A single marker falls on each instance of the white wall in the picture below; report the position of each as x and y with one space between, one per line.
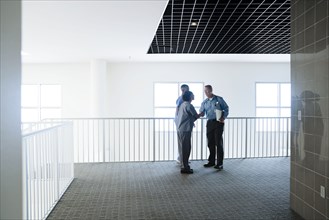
11 185
130 85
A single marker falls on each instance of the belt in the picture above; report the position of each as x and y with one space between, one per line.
212 120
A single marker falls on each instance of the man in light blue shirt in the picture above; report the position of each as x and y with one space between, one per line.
179 100
215 127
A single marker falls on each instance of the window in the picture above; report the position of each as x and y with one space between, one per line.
166 94
273 99
40 102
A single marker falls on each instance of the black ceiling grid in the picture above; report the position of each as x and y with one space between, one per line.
224 27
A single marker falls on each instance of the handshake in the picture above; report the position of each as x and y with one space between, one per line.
219 115
201 114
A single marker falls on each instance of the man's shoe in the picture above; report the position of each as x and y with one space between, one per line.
209 165
219 167
186 171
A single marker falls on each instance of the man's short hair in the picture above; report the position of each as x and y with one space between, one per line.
187 96
184 86
209 87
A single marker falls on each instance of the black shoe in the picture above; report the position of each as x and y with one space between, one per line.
186 171
209 165
219 167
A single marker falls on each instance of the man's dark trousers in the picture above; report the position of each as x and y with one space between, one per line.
215 139
185 141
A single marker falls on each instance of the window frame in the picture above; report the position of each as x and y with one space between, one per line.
278 107
39 107
179 83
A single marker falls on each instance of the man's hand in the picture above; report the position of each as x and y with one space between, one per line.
201 114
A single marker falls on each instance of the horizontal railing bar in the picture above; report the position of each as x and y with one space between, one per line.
149 118
43 130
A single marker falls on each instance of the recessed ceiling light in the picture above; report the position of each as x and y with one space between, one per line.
194 23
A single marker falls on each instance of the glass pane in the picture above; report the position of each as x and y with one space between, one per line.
266 94
285 112
165 94
51 96
51 113
164 112
30 115
197 89
285 95
30 96
267 112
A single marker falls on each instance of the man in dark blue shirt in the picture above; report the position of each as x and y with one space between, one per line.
185 123
215 127
179 101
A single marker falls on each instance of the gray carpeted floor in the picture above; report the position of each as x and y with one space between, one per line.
245 189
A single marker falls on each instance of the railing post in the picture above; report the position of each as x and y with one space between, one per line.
26 177
103 140
153 139
246 143
57 172
287 137
201 139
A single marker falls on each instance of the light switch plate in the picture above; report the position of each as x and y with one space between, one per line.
322 192
299 115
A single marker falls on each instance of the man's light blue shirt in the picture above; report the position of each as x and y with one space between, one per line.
179 101
208 107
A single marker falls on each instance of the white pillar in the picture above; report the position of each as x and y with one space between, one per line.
10 111
98 72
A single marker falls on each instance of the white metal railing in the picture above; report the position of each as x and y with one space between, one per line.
47 167
29 127
155 139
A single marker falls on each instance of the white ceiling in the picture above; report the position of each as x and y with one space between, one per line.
56 31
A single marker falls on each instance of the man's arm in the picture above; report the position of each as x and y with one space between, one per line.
178 103
201 110
193 112
224 108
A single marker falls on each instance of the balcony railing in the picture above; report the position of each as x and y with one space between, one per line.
155 139
47 166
